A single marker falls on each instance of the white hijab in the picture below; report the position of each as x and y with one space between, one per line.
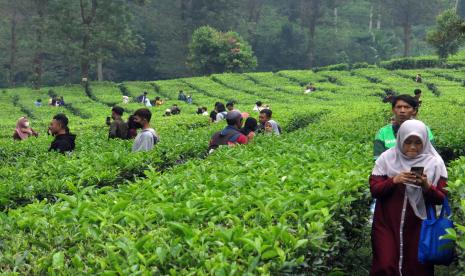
394 161
274 126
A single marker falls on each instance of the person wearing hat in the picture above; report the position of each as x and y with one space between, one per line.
167 112
231 135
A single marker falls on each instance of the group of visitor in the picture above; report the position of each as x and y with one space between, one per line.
202 111
173 110
185 98
144 99
145 140
402 194
409 176
241 127
64 140
53 101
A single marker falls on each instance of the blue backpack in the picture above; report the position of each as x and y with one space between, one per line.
432 249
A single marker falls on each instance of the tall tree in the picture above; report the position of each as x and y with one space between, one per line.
254 8
88 13
13 45
39 26
375 14
186 19
448 35
112 34
461 8
407 13
311 12
105 29
64 42
11 9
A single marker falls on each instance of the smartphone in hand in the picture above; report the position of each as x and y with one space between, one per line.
418 171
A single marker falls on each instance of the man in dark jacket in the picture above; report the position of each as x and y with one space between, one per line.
182 96
142 98
64 141
230 136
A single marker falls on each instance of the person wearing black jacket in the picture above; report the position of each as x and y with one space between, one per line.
64 141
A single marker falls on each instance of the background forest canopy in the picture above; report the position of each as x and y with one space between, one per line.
53 42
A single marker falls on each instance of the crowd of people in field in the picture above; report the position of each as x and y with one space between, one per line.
408 178
241 127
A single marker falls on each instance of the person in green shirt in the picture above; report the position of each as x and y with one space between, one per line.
404 107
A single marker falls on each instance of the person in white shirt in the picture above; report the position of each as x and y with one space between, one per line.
259 106
221 112
147 102
310 88
148 137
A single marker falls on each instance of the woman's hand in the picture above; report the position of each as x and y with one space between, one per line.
404 177
412 178
423 182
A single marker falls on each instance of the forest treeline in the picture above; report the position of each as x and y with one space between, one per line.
50 42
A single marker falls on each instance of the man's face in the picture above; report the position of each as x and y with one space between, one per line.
263 118
417 96
114 116
230 107
403 112
54 127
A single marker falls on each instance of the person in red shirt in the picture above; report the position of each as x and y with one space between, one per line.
231 135
249 129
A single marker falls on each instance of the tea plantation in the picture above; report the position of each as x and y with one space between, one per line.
298 203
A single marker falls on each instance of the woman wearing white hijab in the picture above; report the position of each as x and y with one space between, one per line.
401 197
272 127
